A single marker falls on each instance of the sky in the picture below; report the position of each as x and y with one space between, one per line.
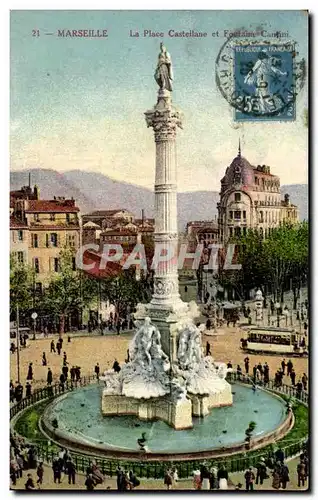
79 103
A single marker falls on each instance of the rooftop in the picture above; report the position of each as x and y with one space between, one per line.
57 206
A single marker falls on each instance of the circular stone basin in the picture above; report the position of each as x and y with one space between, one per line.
80 419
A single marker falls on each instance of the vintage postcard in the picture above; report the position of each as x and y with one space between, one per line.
159 306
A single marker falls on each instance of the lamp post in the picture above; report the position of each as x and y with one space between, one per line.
214 291
286 314
277 307
18 344
34 316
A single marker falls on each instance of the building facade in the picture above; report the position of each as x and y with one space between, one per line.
250 197
40 229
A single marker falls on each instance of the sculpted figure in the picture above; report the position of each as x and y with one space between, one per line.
163 74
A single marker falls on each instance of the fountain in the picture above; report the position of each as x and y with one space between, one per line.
167 377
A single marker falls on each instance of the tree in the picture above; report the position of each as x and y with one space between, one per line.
21 286
68 291
124 290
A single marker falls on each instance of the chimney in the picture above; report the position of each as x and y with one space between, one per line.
142 216
29 179
36 192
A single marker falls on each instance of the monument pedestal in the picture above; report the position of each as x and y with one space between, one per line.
177 414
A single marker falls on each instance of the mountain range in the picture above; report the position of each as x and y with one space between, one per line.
95 191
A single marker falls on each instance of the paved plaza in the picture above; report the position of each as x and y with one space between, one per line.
87 351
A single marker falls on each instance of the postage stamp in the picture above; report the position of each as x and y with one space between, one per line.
261 81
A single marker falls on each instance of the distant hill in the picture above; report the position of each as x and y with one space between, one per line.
93 191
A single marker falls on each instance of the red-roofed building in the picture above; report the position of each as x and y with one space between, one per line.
41 229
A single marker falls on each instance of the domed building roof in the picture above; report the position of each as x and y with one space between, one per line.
239 172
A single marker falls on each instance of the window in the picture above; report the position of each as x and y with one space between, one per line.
38 287
36 217
20 257
36 265
56 264
52 217
237 215
53 239
20 235
244 231
237 196
231 214
67 218
244 214
261 219
34 239
237 231
231 231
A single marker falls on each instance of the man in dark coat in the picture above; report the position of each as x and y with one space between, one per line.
30 372
62 381
208 349
58 347
56 470
247 364
97 370
71 471
52 346
18 392
283 365
293 376
261 471
72 373
65 371
49 377
289 367
28 390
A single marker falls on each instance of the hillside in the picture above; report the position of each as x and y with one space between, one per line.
94 191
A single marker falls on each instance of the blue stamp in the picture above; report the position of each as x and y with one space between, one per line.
263 83
260 80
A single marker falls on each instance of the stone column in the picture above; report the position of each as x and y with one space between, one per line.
164 118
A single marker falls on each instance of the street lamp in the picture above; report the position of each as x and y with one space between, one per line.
214 291
34 315
286 314
277 307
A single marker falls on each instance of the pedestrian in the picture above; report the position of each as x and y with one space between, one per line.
62 381
299 388
13 472
89 483
28 390
208 324
284 476
64 358
239 372
30 372
65 371
247 364
266 373
289 367
168 479
20 464
40 472
304 380
97 370
116 366
72 373
223 477
18 393
49 378
133 479
118 327
208 349
261 471
213 478
77 373
58 347
128 357
229 365
283 365
276 477
301 473
56 470
52 346
71 470
293 377
44 362
249 479
11 392
254 372
29 485
197 483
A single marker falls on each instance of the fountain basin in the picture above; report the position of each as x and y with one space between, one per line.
82 427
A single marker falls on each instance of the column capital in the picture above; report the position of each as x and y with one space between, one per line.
164 118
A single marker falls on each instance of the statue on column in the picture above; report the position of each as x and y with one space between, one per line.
164 74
